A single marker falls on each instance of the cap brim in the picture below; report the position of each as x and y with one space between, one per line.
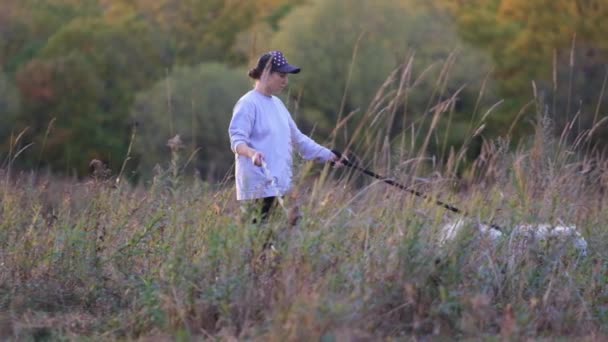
288 69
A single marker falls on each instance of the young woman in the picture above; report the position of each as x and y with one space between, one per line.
263 136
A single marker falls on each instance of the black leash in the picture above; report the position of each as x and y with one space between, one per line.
403 187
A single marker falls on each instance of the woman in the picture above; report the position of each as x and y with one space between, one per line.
263 136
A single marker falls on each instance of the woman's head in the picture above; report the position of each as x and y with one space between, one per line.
271 72
272 61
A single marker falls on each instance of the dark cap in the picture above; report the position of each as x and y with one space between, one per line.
279 63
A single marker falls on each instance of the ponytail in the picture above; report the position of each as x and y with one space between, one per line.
255 73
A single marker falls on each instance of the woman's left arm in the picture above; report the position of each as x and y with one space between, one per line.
307 147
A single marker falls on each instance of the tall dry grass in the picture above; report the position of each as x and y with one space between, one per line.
173 260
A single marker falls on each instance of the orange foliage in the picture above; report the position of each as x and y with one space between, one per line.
35 81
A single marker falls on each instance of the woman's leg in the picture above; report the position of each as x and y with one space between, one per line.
267 203
260 209
263 209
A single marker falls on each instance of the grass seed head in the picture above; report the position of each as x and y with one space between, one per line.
99 170
175 143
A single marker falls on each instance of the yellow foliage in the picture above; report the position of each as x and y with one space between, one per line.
118 10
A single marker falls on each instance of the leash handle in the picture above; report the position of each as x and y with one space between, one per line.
341 159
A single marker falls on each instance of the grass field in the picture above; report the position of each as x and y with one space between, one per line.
174 260
177 259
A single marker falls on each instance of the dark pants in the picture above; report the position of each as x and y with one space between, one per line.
263 208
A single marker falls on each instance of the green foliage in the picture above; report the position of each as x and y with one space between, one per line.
26 25
196 103
324 37
320 37
123 55
9 106
197 30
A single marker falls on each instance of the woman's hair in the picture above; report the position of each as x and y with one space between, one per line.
255 73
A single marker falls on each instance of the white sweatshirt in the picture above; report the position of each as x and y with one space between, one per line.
264 124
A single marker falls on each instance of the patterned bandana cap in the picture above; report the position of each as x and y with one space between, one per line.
279 63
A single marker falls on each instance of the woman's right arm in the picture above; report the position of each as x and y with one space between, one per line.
240 129
255 156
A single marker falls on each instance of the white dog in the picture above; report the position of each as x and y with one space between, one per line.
520 237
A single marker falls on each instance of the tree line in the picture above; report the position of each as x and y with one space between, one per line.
78 78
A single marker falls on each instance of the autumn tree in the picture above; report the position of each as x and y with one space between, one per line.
85 78
559 45
193 31
26 25
61 95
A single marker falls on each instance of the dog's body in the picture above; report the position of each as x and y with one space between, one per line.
519 238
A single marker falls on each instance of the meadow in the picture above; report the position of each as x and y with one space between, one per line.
101 259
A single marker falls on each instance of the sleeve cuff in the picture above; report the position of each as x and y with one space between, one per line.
327 155
236 144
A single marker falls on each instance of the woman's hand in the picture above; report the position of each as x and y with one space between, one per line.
339 160
257 158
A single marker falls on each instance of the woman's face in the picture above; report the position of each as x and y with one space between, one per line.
275 82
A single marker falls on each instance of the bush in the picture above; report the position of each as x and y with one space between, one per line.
322 36
196 103
9 107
